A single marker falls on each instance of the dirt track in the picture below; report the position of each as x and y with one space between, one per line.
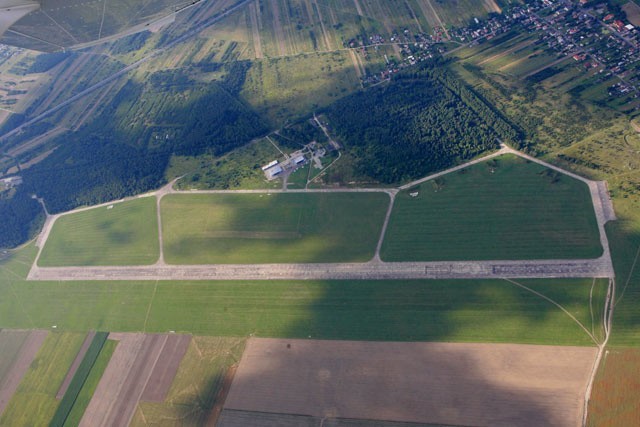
461 384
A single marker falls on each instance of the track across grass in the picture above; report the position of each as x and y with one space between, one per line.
262 228
119 234
509 209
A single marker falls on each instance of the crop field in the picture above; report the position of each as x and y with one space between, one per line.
197 384
414 310
262 228
80 371
18 348
503 209
426 383
10 344
34 402
615 391
119 234
89 386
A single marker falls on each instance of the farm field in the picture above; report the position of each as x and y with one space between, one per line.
261 228
18 348
197 384
124 234
34 402
142 367
446 310
614 399
535 385
89 387
506 208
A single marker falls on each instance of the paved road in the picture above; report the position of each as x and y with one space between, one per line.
374 270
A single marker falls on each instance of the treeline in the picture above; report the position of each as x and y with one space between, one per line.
126 149
130 43
46 61
20 218
422 122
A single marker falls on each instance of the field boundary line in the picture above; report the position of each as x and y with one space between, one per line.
557 305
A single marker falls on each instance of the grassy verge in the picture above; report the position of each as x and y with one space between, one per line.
91 383
124 234
79 378
261 228
503 209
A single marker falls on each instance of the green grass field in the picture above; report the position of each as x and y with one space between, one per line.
34 403
261 228
126 234
512 209
409 310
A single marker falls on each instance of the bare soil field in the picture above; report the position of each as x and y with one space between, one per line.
21 362
139 367
440 383
633 12
166 367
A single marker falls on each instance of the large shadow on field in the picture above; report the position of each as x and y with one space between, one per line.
457 385
437 383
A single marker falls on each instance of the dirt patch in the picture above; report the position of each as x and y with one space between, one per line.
632 10
440 383
165 370
25 357
75 364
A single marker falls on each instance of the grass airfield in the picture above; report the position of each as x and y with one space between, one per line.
271 228
504 209
118 234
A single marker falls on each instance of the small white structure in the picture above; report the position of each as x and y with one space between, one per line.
299 160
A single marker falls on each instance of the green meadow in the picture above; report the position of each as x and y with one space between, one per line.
509 208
